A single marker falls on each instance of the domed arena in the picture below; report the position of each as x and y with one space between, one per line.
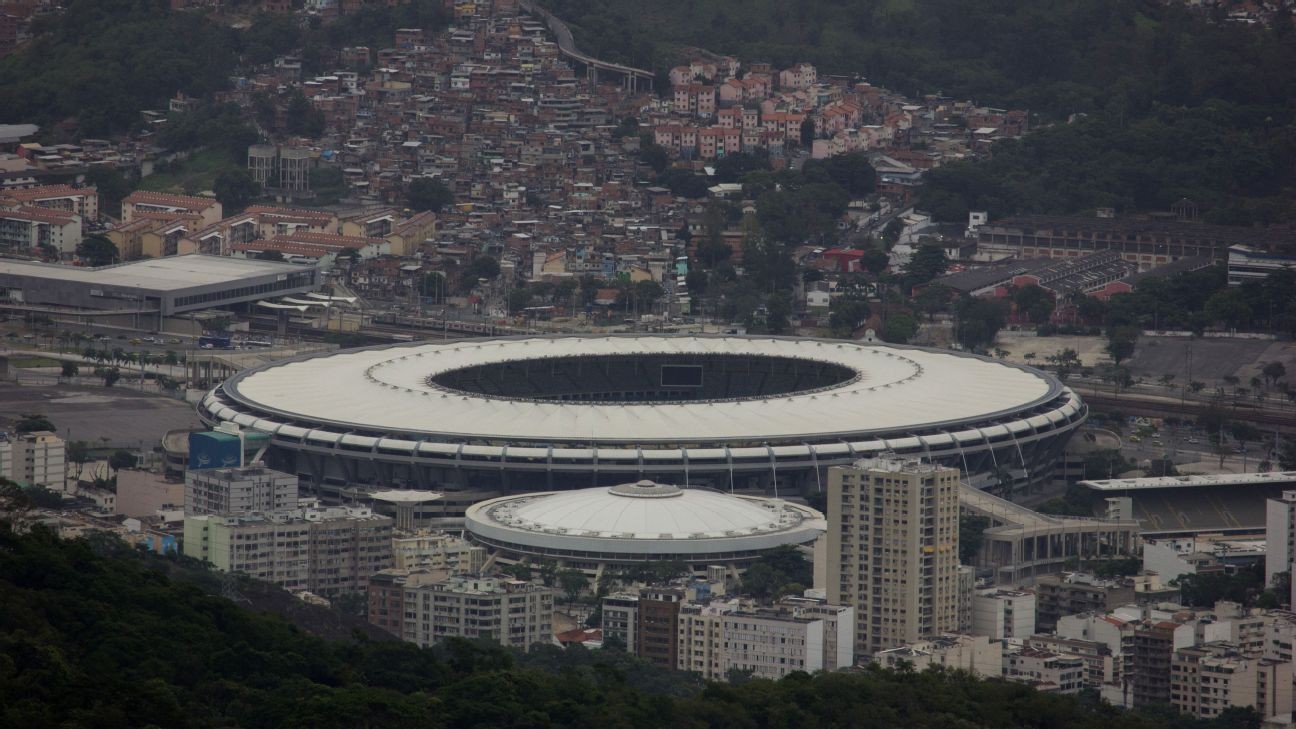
765 415
603 528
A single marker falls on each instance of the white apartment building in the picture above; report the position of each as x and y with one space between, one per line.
1045 670
238 490
513 613
797 634
1209 678
892 550
327 551
37 458
1001 614
974 653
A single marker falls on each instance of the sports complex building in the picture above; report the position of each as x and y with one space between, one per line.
545 413
602 528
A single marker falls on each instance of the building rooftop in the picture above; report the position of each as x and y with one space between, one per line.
155 274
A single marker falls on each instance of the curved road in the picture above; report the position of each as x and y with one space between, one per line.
567 45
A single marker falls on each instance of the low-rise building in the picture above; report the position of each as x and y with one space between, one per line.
796 634
238 490
326 551
514 613
620 615
1045 670
37 458
1002 614
437 553
974 653
1207 679
1075 593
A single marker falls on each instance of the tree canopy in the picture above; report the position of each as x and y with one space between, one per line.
94 632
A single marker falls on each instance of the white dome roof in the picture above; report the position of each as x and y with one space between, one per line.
643 517
649 511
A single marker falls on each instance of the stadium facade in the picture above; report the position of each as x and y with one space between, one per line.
544 413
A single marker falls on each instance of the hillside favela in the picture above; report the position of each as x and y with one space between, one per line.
748 364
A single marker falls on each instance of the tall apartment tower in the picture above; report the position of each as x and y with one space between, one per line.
1280 535
893 549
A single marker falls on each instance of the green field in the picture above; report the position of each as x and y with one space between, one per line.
194 175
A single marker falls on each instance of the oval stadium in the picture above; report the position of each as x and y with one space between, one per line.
487 417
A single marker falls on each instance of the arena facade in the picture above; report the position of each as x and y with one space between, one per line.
542 413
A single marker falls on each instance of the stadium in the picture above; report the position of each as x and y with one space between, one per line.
544 413
603 528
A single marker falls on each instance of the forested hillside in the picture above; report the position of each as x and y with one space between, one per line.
93 634
1179 103
99 62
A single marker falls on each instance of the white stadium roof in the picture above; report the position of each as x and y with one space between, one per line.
642 518
388 390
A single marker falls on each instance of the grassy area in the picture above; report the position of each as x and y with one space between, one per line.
32 362
194 175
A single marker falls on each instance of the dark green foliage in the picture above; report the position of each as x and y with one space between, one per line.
235 189
899 328
93 632
426 193
1075 502
971 536
32 422
927 263
1204 590
978 321
852 172
97 250
777 573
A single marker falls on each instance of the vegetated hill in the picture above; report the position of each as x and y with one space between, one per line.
91 635
1183 105
98 63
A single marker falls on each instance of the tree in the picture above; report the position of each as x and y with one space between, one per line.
1034 302
971 536
927 263
429 193
1121 342
845 316
121 459
69 369
899 328
303 118
1229 307
97 250
875 261
481 267
1273 372
978 321
696 282
269 254
110 375
655 156
235 189
33 422
78 454
572 583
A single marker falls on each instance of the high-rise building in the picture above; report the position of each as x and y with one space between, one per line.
239 490
327 551
511 612
620 615
893 549
1280 535
656 620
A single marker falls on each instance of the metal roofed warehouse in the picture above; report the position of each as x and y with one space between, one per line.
160 286
540 413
